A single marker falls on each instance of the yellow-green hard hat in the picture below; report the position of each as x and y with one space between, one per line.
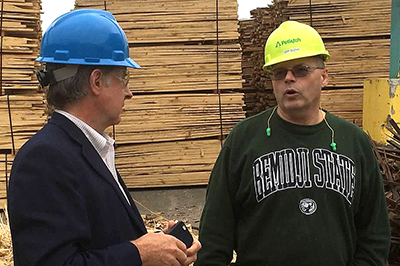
293 40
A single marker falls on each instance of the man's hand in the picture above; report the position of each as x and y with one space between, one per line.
159 249
191 252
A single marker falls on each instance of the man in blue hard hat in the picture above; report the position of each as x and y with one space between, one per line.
67 203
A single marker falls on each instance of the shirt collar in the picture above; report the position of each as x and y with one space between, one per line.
99 141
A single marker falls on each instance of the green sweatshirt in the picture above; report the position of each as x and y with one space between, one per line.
289 199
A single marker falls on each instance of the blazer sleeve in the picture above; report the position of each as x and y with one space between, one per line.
48 217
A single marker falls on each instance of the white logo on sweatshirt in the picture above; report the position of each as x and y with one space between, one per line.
301 169
308 206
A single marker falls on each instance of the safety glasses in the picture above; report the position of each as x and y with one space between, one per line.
298 71
123 77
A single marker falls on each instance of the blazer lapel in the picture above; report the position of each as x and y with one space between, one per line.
135 210
97 163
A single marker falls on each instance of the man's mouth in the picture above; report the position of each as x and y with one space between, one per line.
290 92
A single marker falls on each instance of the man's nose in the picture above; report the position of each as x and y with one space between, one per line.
289 75
128 93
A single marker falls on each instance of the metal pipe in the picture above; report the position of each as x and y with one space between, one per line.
395 40
218 90
1 48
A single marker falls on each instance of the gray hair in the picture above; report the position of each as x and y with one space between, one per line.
320 61
73 88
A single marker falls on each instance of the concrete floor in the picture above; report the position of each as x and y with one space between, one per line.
184 204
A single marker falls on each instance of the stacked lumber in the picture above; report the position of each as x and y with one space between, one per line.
187 89
173 140
6 159
21 31
27 117
353 61
257 85
344 103
342 18
246 29
175 43
161 21
172 117
358 42
167 164
186 68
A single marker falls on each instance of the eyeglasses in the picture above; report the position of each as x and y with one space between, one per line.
125 77
298 71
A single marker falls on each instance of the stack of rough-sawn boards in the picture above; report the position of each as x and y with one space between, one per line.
21 39
356 33
170 133
171 130
21 33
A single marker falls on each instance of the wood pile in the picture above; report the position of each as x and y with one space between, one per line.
171 117
172 129
168 164
6 159
246 29
161 21
27 116
173 139
170 133
21 35
186 68
358 42
389 161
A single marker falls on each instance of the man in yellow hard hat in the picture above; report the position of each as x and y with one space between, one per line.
295 185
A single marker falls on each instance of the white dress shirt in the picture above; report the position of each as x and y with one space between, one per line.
102 143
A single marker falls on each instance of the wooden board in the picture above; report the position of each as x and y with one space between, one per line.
158 118
176 105
166 164
159 21
356 33
27 117
5 170
183 68
21 34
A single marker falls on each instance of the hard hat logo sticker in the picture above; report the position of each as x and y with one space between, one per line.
279 44
291 50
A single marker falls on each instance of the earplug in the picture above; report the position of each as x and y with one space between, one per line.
268 130
333 145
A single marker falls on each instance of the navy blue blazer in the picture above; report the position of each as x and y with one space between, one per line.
64 205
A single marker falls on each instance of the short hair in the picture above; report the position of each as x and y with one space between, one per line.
73 88
320 61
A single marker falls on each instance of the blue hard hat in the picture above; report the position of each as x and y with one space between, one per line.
86 37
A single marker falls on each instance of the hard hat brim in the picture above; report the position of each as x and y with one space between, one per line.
128 62
268 67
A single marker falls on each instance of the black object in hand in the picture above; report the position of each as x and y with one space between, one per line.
180 231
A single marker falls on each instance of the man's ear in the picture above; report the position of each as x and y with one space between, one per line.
324 78
96 81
